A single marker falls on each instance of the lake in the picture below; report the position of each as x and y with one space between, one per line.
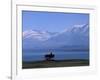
59 55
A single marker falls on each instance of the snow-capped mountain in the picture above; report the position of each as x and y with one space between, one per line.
76 36
38 35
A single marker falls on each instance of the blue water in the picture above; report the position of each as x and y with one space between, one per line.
59 55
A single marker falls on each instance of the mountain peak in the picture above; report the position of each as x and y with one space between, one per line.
75 35
37 34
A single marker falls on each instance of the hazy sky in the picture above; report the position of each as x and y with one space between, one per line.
52 21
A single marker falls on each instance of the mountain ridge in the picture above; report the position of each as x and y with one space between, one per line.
78 35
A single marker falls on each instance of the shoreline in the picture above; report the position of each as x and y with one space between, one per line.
55 63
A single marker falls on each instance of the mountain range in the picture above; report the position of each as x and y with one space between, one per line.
75 37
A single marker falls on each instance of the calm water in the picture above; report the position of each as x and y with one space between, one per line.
61 55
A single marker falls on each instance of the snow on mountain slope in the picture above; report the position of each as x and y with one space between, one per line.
36 34
73 36
35 38
78 35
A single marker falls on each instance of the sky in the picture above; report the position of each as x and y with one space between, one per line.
52 21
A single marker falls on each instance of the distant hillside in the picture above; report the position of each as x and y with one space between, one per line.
76 37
